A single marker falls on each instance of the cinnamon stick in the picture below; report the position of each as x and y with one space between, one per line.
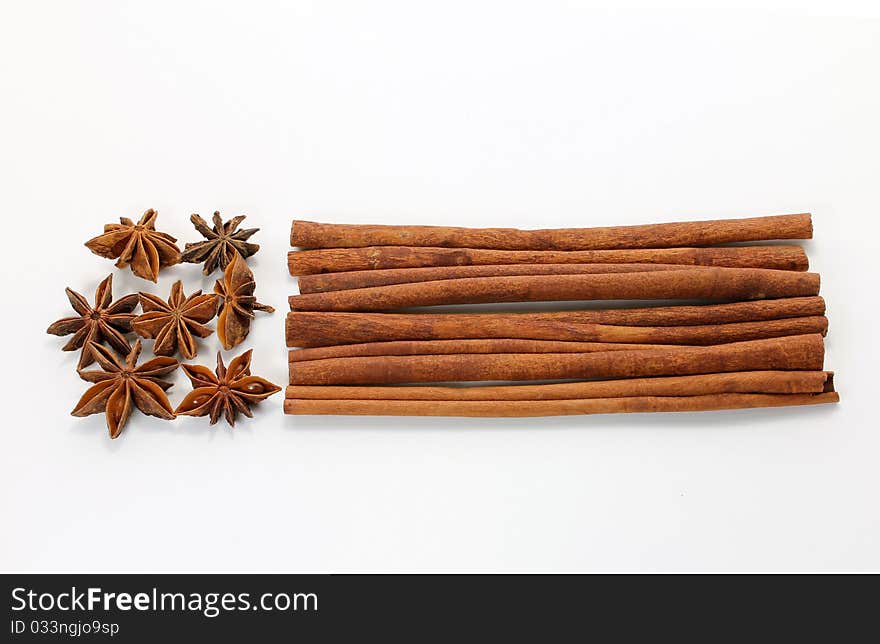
802 352
530 408
585 338
324 282
307 234
603 335
441 347
317 329
710 283
331 260
740 382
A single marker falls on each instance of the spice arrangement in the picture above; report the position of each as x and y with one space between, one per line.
101 332
357 332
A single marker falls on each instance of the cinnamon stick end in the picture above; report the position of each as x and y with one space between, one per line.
297 233
829 383
809 224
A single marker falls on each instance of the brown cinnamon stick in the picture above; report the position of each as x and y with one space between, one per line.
441 347
324 282
329 260
529 408
741 382
306 234
602 335
803 352
585 338
316 329
709 283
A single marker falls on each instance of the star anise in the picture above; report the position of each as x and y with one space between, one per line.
237 310
139 245
174 323
105 322
227 391
122 384
223 242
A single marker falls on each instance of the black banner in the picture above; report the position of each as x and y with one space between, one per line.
150 608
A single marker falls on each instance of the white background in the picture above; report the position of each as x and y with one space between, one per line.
475 113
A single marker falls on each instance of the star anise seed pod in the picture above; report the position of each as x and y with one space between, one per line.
226 392
223 242
237 309
121 384
106 322
138 245
174 323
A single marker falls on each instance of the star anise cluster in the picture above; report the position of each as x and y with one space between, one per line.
100 330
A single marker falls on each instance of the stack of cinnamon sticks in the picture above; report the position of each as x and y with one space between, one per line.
363 346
